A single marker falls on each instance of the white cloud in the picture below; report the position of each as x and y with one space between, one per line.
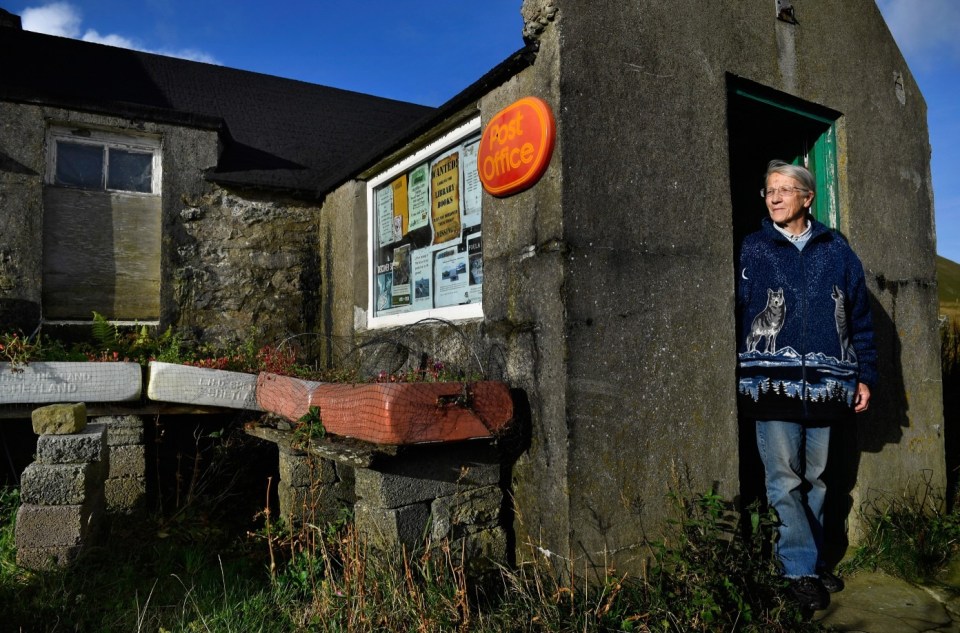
64 20
925 30
59 18
109 40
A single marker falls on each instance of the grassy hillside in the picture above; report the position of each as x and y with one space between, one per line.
948 284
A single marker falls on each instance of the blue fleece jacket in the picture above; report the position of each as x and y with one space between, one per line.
805 330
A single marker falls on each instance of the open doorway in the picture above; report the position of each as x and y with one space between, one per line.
764 124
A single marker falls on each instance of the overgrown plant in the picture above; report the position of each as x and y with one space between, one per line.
950 376
9 503
309 428
703 576
18 350
911 537
706 575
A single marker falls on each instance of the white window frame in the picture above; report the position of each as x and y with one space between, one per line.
450 313
104 139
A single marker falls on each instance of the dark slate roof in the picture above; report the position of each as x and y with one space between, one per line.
277 133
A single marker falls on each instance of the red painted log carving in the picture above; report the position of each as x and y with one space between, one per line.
393 413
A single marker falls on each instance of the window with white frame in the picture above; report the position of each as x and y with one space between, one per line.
103 161
425 243
102 225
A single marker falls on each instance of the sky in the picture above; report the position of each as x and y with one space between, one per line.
378 47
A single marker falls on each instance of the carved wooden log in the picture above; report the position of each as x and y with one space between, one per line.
393 413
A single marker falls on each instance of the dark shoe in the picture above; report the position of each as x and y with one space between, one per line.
831 582
809 593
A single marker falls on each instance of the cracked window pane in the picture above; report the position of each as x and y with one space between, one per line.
130 171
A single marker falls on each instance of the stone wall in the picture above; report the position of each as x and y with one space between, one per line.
232 262
61 492
400 497
435 493
22 166
244 263
312 488
125 485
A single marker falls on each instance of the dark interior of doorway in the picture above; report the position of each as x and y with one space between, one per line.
762 125
758 133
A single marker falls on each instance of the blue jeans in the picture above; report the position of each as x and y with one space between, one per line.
794 457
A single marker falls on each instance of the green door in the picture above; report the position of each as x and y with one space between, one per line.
763 125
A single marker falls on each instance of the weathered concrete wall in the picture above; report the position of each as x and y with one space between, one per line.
523 299
888 216
231 261
609 285
648 277
649 282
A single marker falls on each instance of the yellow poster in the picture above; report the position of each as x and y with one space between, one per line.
401 215
445 198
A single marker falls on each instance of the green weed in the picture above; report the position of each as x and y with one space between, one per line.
309 428
911 537
705 575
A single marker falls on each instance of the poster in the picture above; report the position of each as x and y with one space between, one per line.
475 266
400 219
385 215
418 196
445 198
384 287
422 282
451 278
400 293
472 187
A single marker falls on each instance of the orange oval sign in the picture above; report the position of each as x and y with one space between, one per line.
516 146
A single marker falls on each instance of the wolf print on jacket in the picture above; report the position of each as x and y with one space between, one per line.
802 363
847 353
768 323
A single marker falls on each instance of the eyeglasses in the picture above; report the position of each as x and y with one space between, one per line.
786 192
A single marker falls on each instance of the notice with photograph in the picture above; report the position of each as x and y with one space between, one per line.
400 218
451 281
422 279
385 215
418 196
384 287
445 198
472 187
400 294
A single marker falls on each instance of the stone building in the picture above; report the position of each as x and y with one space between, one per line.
603 291
159 190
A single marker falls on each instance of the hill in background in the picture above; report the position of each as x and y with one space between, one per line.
948 287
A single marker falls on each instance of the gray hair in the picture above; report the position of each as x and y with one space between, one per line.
801 174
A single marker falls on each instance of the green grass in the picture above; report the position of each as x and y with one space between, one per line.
916 536
948 280
948 288
912 536
139 582
706 575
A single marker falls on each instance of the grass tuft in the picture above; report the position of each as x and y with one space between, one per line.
706 575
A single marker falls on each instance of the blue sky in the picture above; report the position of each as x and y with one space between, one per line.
381 47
